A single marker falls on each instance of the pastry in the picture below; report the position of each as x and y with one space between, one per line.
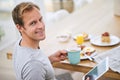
85 35
105 37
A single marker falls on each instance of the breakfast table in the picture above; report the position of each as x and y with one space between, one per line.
94 18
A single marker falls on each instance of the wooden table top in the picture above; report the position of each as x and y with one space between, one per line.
95 18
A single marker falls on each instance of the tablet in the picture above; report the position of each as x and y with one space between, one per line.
97 71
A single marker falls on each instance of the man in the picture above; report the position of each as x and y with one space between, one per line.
29 61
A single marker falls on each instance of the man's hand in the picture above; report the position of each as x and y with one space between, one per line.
58 56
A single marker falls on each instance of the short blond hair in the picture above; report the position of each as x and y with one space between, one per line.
18 11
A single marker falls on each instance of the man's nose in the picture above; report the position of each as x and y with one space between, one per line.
41 24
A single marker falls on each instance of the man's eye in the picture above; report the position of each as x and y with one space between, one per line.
41 19
33 23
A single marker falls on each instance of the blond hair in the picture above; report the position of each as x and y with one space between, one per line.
18 11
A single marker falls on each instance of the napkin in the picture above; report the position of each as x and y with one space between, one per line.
114 58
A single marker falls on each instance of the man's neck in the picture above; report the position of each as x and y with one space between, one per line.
30 43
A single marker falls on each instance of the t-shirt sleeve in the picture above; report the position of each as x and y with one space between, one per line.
33 70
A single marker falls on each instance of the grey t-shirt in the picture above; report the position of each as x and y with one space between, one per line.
31 64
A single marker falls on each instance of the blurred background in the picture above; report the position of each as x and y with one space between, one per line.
52 11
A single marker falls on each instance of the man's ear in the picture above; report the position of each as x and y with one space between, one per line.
19 27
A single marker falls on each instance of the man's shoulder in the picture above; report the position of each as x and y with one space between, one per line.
33 65
33 69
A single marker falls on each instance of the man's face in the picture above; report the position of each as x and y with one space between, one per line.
34 28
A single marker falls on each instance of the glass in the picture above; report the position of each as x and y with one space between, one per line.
79 40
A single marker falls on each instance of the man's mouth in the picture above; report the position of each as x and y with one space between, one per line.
39 32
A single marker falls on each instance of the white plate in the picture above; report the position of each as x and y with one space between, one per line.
87 49
85 57
89 36
97 41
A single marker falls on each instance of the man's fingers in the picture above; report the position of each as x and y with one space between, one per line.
63 57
